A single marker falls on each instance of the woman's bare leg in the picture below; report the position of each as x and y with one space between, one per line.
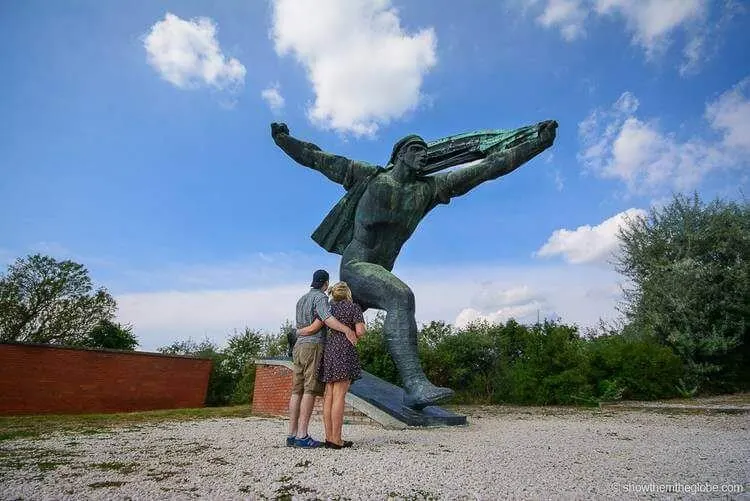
327 404
337 410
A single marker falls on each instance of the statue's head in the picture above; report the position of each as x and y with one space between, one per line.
411 151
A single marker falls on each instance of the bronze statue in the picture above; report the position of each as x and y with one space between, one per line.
383 206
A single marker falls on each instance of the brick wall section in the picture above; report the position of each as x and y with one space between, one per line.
273 387
41 379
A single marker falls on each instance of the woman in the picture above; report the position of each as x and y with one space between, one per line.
340 364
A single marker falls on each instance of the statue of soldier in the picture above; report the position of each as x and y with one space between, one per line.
380 210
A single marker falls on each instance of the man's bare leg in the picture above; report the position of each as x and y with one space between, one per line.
294 402
305 411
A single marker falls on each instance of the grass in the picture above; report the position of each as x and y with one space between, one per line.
44 459
13 427
117 466
110 483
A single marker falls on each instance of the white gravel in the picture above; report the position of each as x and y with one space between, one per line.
502 453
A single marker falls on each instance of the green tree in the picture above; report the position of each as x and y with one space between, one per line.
240 354
108 334
43 300
689 265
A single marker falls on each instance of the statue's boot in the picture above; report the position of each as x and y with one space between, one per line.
420 394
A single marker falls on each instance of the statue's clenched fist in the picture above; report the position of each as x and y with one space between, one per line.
278 128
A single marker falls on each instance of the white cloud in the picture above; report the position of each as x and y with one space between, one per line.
730 114
580 294
365 70
274 99
569 15
521 313
159 318
588 244
651 23
619 145
694 53
187 54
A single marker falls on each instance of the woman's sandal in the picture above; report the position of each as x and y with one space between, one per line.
331 445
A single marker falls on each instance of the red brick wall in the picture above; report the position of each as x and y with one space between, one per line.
273 387
40 379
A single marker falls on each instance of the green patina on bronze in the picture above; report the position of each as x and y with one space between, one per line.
383 206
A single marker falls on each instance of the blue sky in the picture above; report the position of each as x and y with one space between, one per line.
135 140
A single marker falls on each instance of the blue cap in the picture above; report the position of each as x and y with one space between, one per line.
319 278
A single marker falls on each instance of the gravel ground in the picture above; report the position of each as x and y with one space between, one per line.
503 453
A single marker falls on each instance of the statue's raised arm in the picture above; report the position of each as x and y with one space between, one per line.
338 169
521 146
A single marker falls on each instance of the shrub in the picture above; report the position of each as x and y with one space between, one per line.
373 353
639 368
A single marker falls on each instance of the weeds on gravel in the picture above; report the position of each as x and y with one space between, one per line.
415 495
108 483
44 459
158 476
287 491
117 466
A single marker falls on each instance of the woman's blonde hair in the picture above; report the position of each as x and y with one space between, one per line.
340 291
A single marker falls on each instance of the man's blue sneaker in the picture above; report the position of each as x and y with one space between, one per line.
307 443
290 441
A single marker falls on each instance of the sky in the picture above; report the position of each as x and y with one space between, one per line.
135 140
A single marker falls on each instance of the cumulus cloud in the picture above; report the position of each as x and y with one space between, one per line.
730 114
272 96
568 15
214 300
652 21
520 313
162 317
497 302
187 54
588 244
365 70
652 24
619 145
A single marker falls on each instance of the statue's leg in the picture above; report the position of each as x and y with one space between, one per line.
374 286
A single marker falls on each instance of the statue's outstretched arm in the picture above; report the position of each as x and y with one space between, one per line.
461 181
336 168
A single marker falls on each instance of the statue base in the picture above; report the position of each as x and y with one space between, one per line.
389 398
370 399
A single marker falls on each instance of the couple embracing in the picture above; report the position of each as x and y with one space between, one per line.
320 359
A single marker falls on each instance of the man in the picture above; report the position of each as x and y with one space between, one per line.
380 211
306 356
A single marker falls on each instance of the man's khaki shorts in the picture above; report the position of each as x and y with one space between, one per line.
307 358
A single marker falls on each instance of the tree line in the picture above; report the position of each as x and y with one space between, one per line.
43 300
686 318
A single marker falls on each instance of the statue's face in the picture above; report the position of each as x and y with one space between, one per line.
414 156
